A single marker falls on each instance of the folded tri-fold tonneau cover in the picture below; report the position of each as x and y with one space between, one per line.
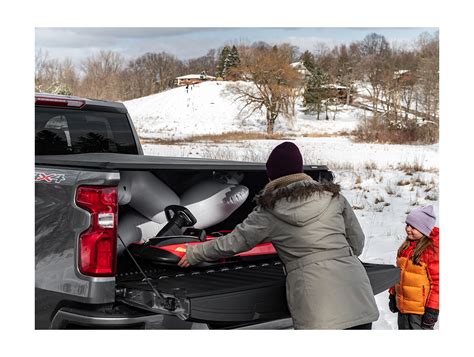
144 162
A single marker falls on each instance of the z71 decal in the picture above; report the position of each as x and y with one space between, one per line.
49 177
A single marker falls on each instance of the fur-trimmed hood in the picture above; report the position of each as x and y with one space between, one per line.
300 201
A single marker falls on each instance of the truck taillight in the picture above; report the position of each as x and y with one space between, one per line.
59 102
98 244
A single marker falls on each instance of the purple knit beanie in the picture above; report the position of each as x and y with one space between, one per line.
285 159
422 219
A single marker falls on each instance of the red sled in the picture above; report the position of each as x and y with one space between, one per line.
169 246
169 250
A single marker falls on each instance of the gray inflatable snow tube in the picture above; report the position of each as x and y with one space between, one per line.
134 228
146 193
212 202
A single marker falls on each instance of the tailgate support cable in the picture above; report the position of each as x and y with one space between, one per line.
169 303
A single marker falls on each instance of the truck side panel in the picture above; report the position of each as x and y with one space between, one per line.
58 224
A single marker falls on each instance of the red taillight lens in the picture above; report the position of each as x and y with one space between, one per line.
59 102
98 244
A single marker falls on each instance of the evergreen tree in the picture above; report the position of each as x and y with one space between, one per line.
308 61
232 61
221 64
315 92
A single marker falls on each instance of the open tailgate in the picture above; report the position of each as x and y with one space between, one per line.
237 293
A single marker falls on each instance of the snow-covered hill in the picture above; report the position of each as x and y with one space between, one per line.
208 108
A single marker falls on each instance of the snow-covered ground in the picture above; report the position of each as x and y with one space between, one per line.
181 112
334 152
382 182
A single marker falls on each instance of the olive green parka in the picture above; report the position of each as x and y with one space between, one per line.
318 238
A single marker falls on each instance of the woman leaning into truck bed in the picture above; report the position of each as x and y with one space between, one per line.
317 236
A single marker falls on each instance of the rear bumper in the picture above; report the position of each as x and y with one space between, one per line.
77 319
68 318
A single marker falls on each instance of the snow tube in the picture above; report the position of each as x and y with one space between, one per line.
134 227
211 202
146 193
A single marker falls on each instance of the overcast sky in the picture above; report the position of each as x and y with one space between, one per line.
78 43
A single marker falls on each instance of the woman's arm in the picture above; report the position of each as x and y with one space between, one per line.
354 234
252 231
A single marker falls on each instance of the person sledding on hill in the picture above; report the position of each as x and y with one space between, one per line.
416 296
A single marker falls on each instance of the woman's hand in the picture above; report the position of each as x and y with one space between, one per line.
183 263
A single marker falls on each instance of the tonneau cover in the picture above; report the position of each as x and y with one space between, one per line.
112 161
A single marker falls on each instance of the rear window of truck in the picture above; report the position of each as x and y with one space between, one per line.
68 131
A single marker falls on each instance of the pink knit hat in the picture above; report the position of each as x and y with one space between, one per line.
423 219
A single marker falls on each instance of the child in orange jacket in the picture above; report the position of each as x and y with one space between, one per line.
416 296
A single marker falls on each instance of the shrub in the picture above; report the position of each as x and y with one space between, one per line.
432 196
370 165
403 182
390 189
387 128
379 199
216 138
410 168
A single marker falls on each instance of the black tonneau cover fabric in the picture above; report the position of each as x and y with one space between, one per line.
139 162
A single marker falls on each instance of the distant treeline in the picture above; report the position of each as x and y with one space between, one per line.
398 81
106 75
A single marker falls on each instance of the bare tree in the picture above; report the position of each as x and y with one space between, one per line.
51 76
207 63
404 81
275 84
347 58
136 80
429 75
46 72
41 59
375 52
164 69
102 76
68 76
291 52
151 73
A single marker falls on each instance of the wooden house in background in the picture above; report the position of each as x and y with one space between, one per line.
193 79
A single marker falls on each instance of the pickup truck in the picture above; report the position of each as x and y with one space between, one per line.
82 147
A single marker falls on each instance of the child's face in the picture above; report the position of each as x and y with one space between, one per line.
413 233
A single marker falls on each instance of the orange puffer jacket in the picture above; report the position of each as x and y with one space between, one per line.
419 284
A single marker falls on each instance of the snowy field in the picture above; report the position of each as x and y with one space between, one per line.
382 182
336 152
